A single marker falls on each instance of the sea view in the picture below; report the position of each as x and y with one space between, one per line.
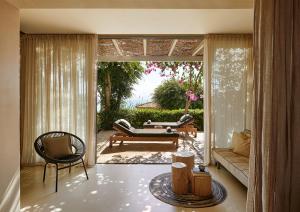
144 89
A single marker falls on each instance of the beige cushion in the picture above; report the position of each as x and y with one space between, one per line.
241 144
236 164
246 133
58 147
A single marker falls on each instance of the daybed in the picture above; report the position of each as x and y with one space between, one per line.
235 159
236 164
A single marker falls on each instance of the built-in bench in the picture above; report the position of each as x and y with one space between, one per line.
236 164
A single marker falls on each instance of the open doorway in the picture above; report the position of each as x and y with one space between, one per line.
142 79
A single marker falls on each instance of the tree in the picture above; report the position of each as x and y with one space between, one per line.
169 95
115 82
188 74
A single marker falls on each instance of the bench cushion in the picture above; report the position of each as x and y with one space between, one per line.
236 164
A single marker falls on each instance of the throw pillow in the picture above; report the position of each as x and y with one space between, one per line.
125 123
241 144
185 117
57 147
246 133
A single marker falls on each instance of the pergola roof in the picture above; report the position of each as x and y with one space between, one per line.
150 48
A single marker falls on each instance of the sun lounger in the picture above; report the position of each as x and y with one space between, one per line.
125 132
184 124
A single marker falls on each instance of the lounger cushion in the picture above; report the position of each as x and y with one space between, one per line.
154 133
144 132
161 124
188 119
124 123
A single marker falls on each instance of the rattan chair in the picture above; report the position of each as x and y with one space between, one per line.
78 148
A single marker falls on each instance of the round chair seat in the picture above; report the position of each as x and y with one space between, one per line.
69 159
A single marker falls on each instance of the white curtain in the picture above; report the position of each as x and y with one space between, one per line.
58 90
228 88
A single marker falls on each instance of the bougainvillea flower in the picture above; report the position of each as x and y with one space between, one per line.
191 96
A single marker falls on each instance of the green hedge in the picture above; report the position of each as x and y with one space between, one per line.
138 116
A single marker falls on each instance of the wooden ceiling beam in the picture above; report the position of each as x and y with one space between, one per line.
115 42
145 46
172 47
199 48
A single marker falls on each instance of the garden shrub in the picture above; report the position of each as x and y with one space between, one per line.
170 95
137 117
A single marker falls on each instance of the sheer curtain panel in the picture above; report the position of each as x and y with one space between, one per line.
228 88
58 89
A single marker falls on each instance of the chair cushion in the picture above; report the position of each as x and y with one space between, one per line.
241 144
57 147
124 123
70 158
185 117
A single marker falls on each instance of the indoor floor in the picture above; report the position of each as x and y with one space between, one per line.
113 188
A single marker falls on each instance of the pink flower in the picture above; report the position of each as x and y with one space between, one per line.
191 96
149 70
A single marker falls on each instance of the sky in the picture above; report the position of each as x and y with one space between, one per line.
144 89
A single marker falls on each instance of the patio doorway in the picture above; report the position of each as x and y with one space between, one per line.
148 78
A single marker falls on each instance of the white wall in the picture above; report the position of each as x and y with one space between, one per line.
135 4
9 107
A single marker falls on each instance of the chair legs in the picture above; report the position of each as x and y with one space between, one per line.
57 169
44 176
56 177
45 168
87 177
218 165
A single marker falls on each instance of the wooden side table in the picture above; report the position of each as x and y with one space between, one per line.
179 178
187 158
201 183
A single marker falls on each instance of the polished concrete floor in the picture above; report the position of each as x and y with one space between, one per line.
113 188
